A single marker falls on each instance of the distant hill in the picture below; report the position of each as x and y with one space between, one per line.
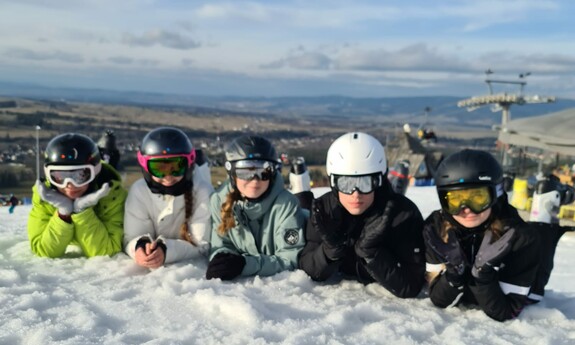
401 110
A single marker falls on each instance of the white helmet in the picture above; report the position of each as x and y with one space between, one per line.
356 153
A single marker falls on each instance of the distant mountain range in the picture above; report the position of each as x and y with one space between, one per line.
444 109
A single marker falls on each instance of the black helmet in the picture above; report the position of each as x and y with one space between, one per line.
71 149
251 148
167 141
468 168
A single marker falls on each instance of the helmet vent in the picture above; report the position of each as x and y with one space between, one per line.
369 154
355 135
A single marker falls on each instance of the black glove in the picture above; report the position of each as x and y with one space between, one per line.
373 233
143 241
490 255
449 253
333 239
225 266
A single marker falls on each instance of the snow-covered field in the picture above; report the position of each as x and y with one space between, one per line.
107 300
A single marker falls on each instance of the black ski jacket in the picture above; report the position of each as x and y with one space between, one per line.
505 296
549 236
399 264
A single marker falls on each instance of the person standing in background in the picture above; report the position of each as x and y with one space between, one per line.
108 149
13 203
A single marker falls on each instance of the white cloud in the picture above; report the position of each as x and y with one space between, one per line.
294 40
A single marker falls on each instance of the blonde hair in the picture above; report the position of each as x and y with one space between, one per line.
184 228
227 214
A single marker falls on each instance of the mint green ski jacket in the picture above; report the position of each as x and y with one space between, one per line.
268 232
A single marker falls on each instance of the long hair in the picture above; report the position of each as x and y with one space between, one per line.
227 214
496 227
184 228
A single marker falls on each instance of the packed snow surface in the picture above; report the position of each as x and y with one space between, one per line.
110 300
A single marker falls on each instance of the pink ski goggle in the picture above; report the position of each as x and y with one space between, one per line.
163 165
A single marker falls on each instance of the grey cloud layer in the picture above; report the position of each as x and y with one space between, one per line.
419 58
162 38
412 57
124 60
28 54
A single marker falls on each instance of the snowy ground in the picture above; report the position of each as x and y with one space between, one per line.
111 301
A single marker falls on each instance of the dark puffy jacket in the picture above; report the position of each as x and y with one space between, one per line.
503 297
399 264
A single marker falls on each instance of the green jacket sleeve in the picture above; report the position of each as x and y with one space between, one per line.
49 235
100 229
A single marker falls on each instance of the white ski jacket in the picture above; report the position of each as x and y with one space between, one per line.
158 216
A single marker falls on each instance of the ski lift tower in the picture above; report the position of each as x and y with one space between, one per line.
503 102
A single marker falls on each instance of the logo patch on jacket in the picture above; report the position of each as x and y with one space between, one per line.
291 236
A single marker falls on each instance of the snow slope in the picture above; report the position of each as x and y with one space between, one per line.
107 300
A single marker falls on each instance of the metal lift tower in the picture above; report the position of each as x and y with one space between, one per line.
503 101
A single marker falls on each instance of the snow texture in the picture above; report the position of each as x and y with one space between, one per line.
110 300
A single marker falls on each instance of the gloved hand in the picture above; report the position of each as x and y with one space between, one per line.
373 233
64 205
225 266
334 240
490 255
449 253
91 199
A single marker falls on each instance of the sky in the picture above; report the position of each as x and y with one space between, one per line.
110 300
357 48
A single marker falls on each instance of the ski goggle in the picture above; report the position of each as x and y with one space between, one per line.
78 175
248 170
364 184
476 199
162 166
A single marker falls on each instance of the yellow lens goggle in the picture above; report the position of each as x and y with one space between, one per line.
476 199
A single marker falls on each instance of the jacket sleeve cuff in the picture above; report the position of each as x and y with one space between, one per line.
252 266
